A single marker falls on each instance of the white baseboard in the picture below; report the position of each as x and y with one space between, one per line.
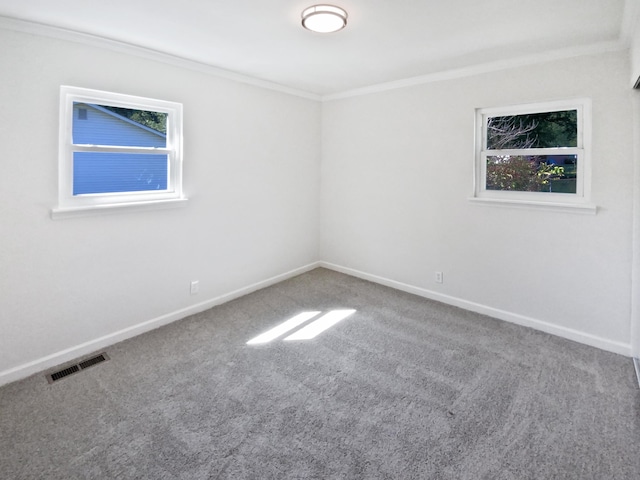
72 353
75 352
636 364
575 335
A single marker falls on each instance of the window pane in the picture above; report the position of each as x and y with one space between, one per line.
535 130
528 173
97 172
104 125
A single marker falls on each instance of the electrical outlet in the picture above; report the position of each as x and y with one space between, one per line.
195 287
439 277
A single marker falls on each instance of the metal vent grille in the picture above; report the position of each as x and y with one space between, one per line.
63 373
92 361
70 370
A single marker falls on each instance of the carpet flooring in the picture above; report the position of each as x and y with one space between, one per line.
404 388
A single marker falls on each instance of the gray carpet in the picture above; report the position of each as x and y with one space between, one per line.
405 388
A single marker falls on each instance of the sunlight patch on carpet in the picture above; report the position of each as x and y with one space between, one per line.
307 332
283 328
318 326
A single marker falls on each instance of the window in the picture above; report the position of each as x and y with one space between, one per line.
534 154
117 151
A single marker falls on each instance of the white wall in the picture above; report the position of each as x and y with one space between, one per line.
395 177
251 171
635 47
634 54
397 173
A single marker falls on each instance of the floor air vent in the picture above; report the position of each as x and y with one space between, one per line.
70 370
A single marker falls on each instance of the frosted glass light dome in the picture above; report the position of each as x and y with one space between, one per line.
324 18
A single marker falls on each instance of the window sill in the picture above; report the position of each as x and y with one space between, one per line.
580 208
85 211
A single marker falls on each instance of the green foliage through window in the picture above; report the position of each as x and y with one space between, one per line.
154 120
529 173
534 130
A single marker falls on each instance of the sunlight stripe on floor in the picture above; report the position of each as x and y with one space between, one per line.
320 325
283 328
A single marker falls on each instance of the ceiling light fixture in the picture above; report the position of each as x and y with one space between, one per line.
324 18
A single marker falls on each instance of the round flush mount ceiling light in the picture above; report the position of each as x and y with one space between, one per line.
324 18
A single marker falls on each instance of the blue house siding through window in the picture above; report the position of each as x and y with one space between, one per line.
107 172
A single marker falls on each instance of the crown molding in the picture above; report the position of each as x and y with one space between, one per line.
40 29
560 54
630 17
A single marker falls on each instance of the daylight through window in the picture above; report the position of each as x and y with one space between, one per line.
535 153
118 150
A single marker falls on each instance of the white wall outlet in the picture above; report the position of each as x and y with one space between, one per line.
439 277
195 287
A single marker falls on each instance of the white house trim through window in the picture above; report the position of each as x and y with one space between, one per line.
535 155
117 150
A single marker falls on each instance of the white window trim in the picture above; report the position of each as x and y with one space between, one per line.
88 204
578 202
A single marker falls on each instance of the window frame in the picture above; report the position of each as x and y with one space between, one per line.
87 204
567 201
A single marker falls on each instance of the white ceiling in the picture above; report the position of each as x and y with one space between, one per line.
384 41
